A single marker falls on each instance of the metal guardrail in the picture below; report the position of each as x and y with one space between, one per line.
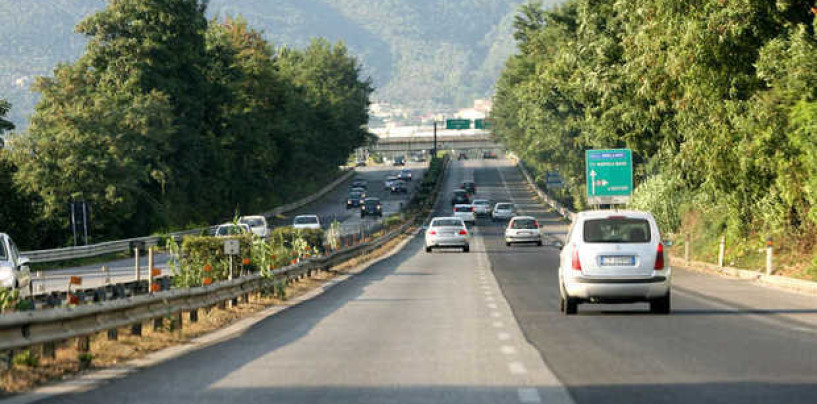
23 329
110 247
565 212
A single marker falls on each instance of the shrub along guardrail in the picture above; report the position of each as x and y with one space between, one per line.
25 329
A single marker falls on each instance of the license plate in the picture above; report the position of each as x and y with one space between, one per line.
447 233
618 260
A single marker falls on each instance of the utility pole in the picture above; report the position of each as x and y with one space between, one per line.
434 149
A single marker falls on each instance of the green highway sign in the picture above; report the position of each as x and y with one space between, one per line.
481 124
609 176
458 124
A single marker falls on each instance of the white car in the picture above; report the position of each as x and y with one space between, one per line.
258 225
307 222
482 207
232 229
614 257
503 211
466 213
14 271
389 181
447 232
523 229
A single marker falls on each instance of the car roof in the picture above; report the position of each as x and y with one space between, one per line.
481 200
315 216
446 218
605 213
253 217
523 218
462 205
371 198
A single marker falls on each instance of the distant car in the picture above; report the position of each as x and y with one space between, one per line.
361 191
482 207
371 207
466 213
459 196
462 156
400 161
360 183
404 175
523 229
503 211
489 155
447 232
614 257
354 199
469 186
360 163
418 158
232 229
307 222
14 271
258 225
398 186
389 180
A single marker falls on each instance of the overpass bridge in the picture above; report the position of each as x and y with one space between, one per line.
413 140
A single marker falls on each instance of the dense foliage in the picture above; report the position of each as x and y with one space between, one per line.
168 119
717 100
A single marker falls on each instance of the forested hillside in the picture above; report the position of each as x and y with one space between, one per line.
418 52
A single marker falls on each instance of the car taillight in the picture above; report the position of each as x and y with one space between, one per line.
463 233
472 209
535 223
576 264
433 232
659 258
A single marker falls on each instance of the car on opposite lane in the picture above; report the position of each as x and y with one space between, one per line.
389 180
360 183
447 232
503 211
360 190
405 174
371 207
258 225
398 186
466 213
14 271
470 187
523 229
614 257
312 222
354 199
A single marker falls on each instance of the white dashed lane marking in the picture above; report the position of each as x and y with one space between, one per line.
508 350
503 336
529 395
517 368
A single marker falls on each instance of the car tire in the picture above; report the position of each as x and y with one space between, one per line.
662 305
571 306
428 249
561 304
466 249
539 243
507 244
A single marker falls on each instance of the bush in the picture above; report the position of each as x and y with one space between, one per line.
8 298
659 196
287 236
199 252
26 358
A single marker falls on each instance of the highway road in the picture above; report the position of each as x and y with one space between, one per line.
331 207
484 327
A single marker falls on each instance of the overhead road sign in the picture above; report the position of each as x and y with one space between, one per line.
609 176
482 124
458 124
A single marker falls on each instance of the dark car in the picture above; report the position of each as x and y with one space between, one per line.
354 199
470 187
462 156
405 174
489 155
400 161
398 186
371 207
362 191
460 197
360 183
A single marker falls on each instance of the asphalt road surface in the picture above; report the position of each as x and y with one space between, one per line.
484 327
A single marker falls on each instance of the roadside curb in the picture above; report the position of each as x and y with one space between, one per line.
775 281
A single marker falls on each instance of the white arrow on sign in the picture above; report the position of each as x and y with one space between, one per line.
593 181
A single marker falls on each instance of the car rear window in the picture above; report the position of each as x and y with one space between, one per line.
459 192
3 255
504 206
481 202
253 222
446 222
524 224
306 220
462 209
617 230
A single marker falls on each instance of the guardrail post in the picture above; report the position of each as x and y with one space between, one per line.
176 323
113 334
48 350
136 329
137 275
158 323
194 315
686 246
721 250
150 270
769 256
83 344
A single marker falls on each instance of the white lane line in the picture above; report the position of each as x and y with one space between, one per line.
503 336
528 395
489 299
491 305
517 368
498 324
495 314
507 350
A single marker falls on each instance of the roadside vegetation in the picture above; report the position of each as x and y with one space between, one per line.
176 119
717 100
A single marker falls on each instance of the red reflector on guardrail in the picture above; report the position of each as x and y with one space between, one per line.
76 280
156 272
246 261
208 268
155 287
